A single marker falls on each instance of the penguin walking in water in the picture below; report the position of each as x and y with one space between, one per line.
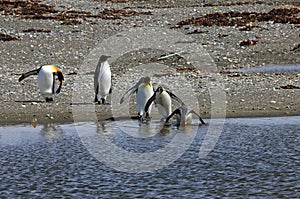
184 116
163 100
46 80
102 80
144 91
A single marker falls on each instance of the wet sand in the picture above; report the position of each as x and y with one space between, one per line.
66 33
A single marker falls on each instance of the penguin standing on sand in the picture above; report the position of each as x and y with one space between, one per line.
46 80
102 80
163 100
184 116
144 91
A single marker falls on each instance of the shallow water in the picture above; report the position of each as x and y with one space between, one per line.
257 157
270 68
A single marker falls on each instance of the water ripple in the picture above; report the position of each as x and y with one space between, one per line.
253 158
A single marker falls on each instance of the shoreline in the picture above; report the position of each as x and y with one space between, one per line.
47 118
60 121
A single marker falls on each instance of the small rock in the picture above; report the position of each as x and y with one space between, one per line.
132 24
273 102
34 122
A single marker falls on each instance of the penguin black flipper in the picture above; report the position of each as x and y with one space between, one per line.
96 76
61 79
110 89
33 72
176 98
176 111
96 93
149 102
201 120
53 83
128 93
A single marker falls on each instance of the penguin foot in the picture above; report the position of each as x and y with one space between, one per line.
147 118
49 99
102 101
140 118
167 124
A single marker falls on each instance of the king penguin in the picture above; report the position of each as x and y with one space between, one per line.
163 100
46 80
184 116
144 91
102 80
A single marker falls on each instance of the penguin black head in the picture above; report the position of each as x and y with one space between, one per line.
147 80
103 58
60 76
184 114
159 89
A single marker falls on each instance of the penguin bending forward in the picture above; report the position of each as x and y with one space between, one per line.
163 100
46 80
144 91
102 80
184 116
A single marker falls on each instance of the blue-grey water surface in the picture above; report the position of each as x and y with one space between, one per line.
270 68
256 157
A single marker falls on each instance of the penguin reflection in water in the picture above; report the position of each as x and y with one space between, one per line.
144 91
46 80
184 116
102 80
163 100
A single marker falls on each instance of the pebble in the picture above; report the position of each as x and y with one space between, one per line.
242 58
50 117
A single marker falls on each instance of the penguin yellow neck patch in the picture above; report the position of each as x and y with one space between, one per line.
146 85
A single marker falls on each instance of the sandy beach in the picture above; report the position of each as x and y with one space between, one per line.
242 35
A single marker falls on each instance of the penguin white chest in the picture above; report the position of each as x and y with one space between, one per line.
164 104
143 94
45 80
104 81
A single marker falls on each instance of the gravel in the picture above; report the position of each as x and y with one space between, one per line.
39 42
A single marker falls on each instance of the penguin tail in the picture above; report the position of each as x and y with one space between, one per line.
25 75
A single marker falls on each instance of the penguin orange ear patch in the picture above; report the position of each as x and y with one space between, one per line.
54 68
